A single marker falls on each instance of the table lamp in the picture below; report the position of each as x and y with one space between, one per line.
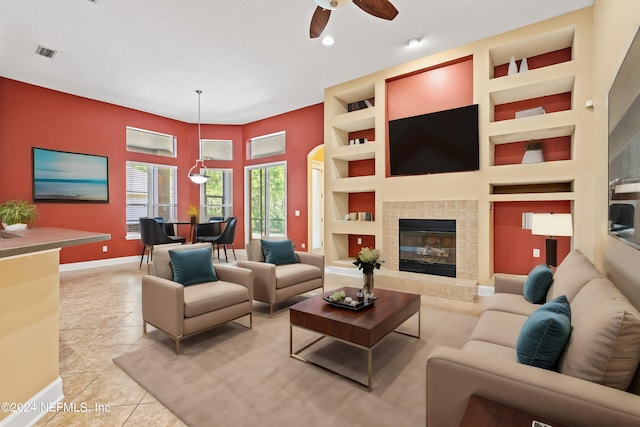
552 224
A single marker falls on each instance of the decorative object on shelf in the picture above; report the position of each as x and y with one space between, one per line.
524 65
550 224
192 213
198 176
533 153
17 214
367 261
513 67
530 112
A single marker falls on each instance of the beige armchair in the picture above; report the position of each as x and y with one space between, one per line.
182 311
275 283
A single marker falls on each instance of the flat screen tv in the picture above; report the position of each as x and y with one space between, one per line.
440 142
61 176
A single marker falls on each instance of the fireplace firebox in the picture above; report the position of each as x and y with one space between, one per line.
428 246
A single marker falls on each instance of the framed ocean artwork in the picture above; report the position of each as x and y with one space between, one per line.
61 176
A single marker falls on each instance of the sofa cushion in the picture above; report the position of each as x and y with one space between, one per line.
491 350
192 266
537 284
604 346
498 327
544 335
575 271
511 303
278 252
211 296
292 274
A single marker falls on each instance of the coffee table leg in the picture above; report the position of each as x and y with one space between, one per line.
370 352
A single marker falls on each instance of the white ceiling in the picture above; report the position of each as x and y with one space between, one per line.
251 58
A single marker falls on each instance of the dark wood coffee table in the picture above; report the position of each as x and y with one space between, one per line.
362 329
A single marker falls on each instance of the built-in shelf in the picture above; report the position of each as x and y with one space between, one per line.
355 152
536 45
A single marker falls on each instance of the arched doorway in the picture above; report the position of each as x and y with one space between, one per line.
315 201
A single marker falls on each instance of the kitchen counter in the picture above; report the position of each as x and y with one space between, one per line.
30 319
44 238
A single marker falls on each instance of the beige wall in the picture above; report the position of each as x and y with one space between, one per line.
615 24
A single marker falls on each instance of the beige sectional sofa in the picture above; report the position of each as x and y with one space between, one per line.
596 382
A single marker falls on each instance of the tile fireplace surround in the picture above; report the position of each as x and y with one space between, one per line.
462 288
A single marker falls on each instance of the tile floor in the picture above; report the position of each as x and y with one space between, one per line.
100 318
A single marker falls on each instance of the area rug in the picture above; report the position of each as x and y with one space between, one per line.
234 376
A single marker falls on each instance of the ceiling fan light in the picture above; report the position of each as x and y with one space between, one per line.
332 4
328 40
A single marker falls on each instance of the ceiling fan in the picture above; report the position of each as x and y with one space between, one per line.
379 8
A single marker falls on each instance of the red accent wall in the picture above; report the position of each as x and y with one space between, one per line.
551 104
35 116
443 87
538 61
305 131
513 246
552 149
368 241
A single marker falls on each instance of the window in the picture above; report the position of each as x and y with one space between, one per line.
266 145
216 196
151 191
148 142
216 149
265 186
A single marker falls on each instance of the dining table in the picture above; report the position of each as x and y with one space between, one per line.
193 227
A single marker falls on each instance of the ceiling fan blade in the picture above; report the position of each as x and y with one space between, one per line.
319 21
379 8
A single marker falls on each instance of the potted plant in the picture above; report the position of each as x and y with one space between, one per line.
17 214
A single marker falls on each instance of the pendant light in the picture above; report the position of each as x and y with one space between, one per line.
198 176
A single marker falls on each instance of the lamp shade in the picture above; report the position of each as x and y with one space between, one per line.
552 224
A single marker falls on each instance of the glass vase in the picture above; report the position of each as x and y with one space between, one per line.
367 281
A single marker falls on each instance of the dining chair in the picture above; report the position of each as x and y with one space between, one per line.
152 233
168 228
227 237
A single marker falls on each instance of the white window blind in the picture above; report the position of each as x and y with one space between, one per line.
151 191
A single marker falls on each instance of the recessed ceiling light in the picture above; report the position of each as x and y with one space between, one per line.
414 42
327 40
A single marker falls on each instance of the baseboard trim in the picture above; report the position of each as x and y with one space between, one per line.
37 406
98 263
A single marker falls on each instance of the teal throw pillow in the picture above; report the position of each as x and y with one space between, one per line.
537 284
278 252
191 266
544 334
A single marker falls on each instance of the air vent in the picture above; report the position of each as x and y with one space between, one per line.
46 52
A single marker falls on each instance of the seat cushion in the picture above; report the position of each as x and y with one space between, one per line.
511 303
604 346
537 284
491 350
498 327
575 271
278 252
206 297
292 274
192 266
544 335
